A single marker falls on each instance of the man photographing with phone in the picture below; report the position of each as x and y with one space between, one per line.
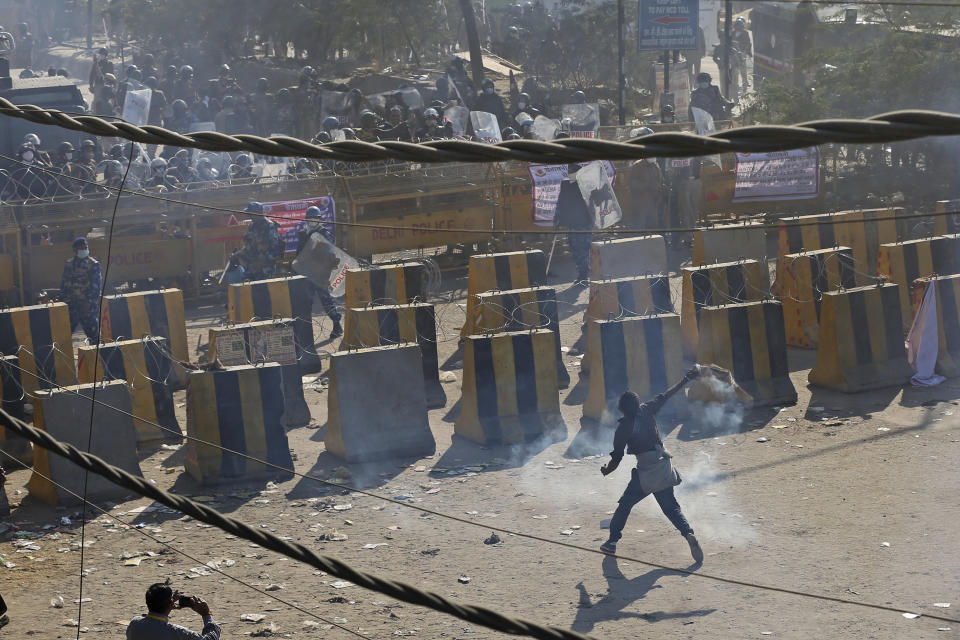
155 625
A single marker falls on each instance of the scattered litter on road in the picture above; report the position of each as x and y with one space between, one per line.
341 584
909 616
252 617
493 539
463 580
762 439
942 605
884 544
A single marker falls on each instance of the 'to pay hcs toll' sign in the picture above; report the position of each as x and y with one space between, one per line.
668 24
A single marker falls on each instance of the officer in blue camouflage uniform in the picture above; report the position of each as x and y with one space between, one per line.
573 214
262 247
313 224
80 289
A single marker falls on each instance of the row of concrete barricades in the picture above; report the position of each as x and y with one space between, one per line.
385 376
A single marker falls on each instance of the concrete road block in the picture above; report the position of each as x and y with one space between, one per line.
241 410
861 340
13 397
146 368
279 298
904 262
748 339
376 407
808 276
640 354
628 257
65 415
728 243
384 285
509 390
40 338
717 284
383 326
251 343
502 272
132 316
521 310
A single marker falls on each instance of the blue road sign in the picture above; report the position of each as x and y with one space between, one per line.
668 24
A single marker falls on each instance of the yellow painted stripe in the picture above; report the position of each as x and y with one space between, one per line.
280 306
204 461
139 321
38 486
176 321
672 347
504 374
519 270
64 366
25 353
407 323
468 422
253 427
357 283
141 391
758 341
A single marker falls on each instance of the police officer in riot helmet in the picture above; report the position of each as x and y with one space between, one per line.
707 96
314 225
489 101
579 97
368 127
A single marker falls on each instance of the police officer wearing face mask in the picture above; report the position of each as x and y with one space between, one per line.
27 176
489 101
80 289
708 97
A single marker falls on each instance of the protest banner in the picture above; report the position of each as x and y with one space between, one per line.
546 180
781 175
289 216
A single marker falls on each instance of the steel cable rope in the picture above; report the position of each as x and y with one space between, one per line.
401 591
93 391
723 225
23 429
187 555
892 126
398 590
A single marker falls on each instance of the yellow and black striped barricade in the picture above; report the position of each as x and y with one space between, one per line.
387 284
132 316
642 354
509 390
948 219
947 291
396 324
239 412
259 342
748 339
376 408
626 257
40 338
808 276
863 231
65 413
502 272
13 398
716 284
279 298
861 340
635 296
729 242
904 262
522 310
145 366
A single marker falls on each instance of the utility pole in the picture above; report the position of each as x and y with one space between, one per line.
89 24
621 80
727 26
473 40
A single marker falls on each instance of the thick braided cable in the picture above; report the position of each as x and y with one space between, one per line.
394 589
888 127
